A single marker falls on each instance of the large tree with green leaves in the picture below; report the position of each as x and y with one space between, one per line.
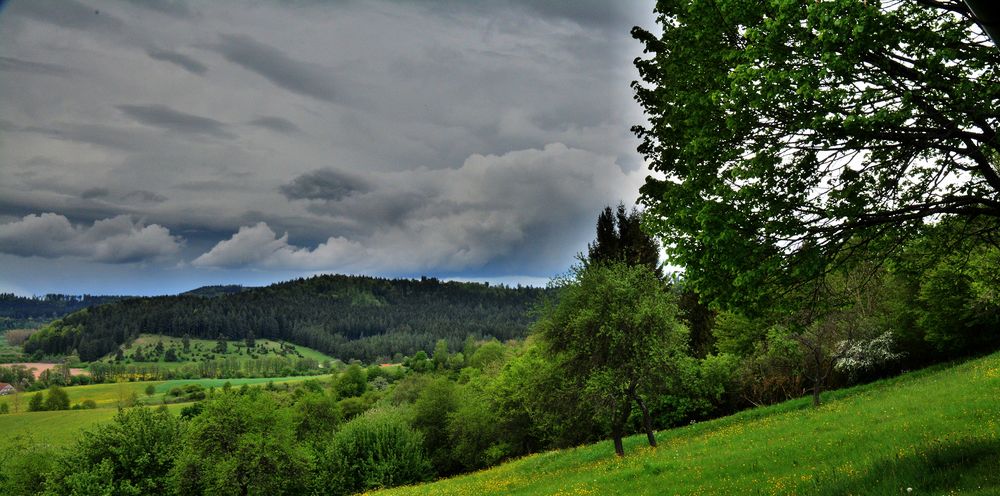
615 330
790 136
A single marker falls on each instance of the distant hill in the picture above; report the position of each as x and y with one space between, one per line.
343 316
213 291
28 311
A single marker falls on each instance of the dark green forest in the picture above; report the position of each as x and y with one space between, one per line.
351 317
26 311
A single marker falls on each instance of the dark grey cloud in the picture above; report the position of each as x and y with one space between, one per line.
588 13
276 124
167 118
132 197
17 65
324 184
68 14
91 193
174 8
206 185
143 196
189 64
278 67
600 14
111 137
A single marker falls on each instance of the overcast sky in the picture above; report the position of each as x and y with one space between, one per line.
153 147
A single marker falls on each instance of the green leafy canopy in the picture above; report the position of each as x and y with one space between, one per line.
792 135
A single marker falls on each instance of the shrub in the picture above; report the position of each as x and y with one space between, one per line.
375 450
25 464
131 455
316 416
17 337
241 444
36 403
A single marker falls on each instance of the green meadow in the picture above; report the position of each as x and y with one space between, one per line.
61 428
112 394
935 431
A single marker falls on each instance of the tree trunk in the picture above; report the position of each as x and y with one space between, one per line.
619 449
618 424
647 422
817 388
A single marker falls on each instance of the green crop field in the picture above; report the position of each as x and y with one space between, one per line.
929 432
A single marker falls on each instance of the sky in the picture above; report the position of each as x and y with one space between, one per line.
155 147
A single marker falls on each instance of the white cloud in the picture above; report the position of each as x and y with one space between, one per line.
259 246
118 239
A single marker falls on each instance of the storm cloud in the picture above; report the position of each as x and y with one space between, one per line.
69 14
18 65
279 68
233 142
167 118
455 219
276 124
187 63
324 184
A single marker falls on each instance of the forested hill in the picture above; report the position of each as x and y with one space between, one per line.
345 316
18 311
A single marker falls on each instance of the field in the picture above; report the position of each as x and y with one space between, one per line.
60 428
110 395
934 431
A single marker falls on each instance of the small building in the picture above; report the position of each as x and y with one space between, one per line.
6 389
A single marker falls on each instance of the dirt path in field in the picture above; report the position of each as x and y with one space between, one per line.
40 367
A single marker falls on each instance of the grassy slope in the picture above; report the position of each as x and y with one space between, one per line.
933 431
205 346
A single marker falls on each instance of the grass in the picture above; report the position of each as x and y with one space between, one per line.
933 431
109 396
60 428
9 353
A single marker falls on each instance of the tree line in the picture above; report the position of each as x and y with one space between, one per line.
29 311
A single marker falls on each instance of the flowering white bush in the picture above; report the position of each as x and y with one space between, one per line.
865 354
